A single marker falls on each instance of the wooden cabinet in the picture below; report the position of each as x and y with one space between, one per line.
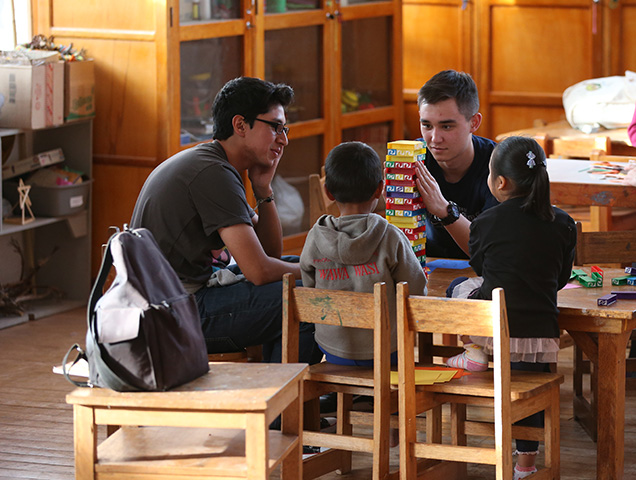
61 243
158 69
522 54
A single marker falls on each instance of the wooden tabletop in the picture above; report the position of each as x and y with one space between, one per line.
562 129
227 386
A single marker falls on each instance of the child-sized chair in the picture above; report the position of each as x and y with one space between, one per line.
349 309
513 395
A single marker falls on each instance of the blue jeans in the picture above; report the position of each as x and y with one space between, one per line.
237 316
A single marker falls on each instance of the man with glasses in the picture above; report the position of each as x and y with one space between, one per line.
195 205
453 179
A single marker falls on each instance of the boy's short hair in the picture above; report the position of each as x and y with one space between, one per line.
249 97
353 171
451 84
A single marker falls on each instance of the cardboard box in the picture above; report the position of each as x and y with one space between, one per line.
14 169
32 95
79 90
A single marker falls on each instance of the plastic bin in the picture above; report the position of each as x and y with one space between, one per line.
54 201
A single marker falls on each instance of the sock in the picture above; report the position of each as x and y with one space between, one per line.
523 472
473 359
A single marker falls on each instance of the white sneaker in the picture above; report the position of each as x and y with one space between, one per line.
519 475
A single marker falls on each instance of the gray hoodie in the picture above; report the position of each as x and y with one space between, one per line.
354 252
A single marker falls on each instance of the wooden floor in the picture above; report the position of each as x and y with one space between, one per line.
36 434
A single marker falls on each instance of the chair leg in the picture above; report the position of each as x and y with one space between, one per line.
344 427
458 433
434 425
552 435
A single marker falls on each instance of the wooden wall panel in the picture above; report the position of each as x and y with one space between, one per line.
114 200
125 90
436 36
91 14
510 117
626 45
530 52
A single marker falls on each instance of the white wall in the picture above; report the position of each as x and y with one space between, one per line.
15 23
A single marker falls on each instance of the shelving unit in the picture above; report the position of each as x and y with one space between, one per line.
65 240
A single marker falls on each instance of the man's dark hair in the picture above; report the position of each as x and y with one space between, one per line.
353 171
248 97
451 84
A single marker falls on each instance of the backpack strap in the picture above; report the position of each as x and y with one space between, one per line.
81 354
93 351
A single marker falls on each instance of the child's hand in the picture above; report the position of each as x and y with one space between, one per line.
630 178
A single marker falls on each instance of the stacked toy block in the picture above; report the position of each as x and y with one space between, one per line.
404 205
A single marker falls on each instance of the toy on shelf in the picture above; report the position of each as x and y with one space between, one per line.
25 206
404 206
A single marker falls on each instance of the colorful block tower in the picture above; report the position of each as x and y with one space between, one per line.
404 205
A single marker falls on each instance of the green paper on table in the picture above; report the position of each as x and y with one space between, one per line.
424 376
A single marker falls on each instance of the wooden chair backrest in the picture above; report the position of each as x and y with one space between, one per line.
579 147
336 307
605 247
439 315
319 203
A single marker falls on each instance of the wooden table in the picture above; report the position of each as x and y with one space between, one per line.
562 129
571 184
213 427
602 333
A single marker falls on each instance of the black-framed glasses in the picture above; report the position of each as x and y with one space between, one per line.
279 128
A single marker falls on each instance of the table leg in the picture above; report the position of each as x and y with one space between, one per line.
610 456
257 446
85 439
292 425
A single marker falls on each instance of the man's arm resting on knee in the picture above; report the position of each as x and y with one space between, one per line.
256 265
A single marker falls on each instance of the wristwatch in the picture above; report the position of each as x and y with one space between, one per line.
453 214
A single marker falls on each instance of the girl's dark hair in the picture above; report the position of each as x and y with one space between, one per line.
522 160
248 97
353 171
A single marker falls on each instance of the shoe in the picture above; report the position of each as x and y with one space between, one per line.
328 424
328 404
519 474
462 361
309 451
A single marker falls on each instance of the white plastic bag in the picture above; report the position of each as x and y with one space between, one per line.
290 205
601 102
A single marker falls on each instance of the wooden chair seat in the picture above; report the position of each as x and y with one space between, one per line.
523 385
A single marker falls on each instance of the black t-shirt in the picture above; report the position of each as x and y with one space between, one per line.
471 194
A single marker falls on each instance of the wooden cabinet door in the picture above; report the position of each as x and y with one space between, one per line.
530 52
436 35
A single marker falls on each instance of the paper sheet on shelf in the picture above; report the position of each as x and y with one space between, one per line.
80 369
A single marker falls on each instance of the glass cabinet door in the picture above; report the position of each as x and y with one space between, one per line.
295 56
206 65
195 11
366 63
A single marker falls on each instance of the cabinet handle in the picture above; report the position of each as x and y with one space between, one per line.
248 25
464 4
330 16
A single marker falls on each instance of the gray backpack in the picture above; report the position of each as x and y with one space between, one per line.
144 332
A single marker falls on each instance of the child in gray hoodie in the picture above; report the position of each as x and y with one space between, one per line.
356 250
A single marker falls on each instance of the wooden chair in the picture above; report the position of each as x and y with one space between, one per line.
513 395
599 248
350 309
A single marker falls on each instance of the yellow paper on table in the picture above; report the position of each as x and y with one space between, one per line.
427 377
